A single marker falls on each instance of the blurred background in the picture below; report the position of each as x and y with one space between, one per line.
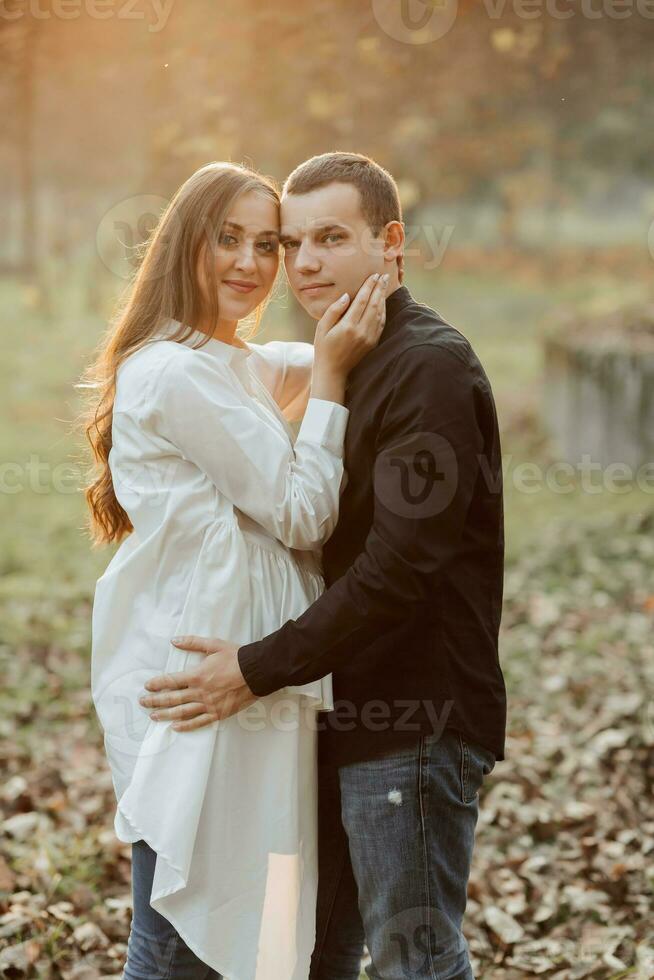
520 133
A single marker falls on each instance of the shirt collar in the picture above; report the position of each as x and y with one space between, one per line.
197 339
395 303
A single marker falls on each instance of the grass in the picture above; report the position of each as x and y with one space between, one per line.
505 319
42 524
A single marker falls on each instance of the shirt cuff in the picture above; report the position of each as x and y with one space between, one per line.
250 659
325 423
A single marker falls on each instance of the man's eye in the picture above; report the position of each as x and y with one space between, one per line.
333 236
290 244
228 240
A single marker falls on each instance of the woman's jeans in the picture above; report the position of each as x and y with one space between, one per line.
155 950
396 837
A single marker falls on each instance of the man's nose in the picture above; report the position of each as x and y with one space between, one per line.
305 259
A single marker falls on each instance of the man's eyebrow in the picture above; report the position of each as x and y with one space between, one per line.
329 227
315 229
233 224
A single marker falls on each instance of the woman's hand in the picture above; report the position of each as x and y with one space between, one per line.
346 334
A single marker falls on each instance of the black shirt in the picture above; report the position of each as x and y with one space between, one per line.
408 623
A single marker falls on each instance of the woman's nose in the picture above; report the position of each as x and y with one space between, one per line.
245 260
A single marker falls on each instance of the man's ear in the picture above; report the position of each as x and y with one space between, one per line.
394 238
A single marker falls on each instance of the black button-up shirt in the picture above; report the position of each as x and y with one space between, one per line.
409 620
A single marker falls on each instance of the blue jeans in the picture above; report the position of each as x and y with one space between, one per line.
155 950
396 837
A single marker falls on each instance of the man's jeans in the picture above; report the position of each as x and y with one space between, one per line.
155 950
396 837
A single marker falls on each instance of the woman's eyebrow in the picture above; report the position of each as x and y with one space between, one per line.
233 224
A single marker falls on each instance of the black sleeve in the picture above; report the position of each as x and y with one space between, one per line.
427 462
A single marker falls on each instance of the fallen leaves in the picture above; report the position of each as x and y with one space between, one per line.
562 877
561 884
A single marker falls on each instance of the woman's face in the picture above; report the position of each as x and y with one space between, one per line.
246 258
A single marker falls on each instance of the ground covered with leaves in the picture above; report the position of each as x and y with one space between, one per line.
564 863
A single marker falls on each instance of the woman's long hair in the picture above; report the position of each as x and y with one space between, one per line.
164 287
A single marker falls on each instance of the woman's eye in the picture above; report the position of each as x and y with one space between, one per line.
226 239
290 244
268 247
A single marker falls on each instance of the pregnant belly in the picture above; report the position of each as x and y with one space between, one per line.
283 582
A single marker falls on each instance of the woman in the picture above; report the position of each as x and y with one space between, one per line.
221 517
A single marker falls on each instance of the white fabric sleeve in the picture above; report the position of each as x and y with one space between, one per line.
292 491
286 367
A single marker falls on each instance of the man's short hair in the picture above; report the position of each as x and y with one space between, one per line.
380 200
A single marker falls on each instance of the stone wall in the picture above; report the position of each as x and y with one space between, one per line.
599 400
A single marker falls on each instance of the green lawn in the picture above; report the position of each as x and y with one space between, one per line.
43 543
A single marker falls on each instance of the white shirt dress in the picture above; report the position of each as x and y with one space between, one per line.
229 515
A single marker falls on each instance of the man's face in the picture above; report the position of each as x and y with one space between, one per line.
329 249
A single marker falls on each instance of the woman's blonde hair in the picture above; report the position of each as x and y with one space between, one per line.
164 287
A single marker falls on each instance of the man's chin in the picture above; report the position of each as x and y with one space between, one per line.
315 306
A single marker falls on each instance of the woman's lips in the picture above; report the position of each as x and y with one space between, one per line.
240 287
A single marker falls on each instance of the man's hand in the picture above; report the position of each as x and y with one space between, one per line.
210 692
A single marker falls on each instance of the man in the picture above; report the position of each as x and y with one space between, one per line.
409 621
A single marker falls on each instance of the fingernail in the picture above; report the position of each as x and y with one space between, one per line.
344 298
176 639
385 278
375 276
154 716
